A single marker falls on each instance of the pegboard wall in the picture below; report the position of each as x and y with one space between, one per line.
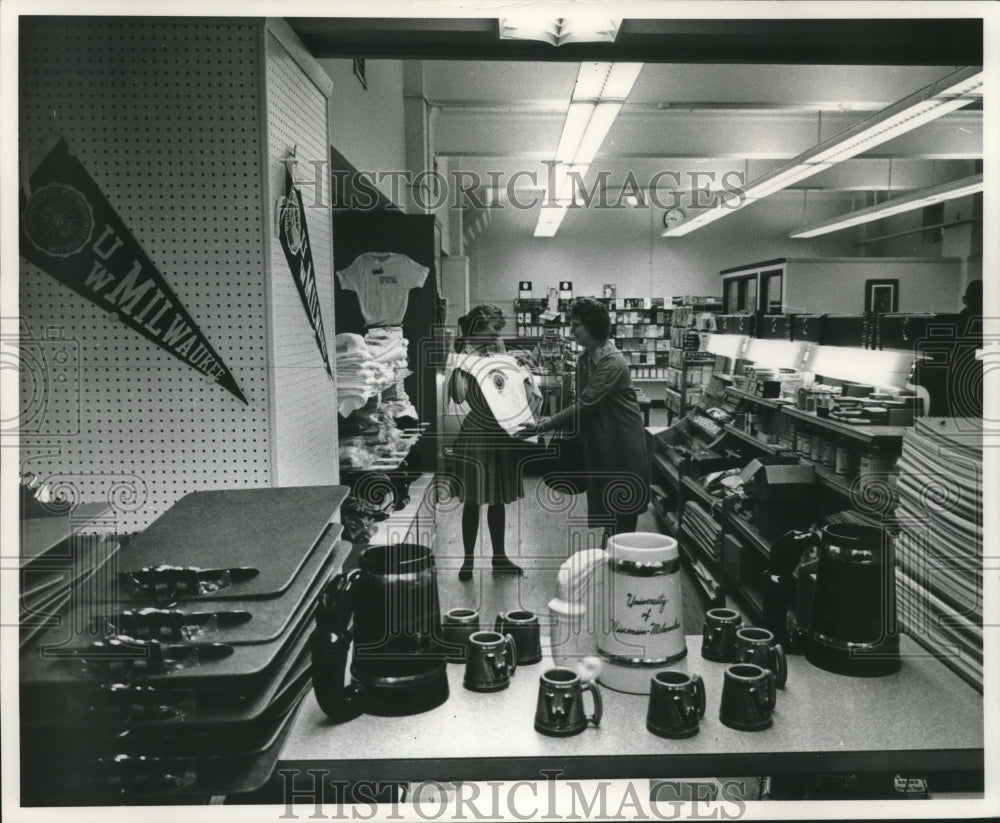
304 398
165 115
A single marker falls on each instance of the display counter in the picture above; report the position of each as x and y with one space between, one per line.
922 719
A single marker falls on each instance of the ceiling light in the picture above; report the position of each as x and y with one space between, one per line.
898 205
598 95
553 209
947 94
559 30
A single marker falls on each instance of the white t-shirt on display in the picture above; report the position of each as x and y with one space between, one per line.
383 281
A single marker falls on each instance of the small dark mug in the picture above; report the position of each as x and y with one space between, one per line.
757 646
718 636
457 626
748 697
523 626
559 712
492 659
676 704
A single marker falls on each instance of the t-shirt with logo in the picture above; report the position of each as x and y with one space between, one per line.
383 281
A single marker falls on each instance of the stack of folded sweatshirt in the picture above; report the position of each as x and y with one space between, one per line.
388 346
360 374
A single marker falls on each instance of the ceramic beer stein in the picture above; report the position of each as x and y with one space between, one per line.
559 711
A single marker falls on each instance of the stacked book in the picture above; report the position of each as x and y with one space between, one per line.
703 529
179 676
939 547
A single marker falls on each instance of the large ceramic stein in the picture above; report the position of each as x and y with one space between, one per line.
641 631
389 608
851 627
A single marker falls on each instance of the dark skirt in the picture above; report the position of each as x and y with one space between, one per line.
485 466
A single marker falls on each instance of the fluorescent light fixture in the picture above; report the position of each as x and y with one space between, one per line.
898 205
559 30
598 95
601 119
776 354
726 345
949 93
875 368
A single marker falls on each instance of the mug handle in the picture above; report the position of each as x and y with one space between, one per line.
498 623
591 686
329 654
780 665
699 694
336 602
330 647
772 695
510 652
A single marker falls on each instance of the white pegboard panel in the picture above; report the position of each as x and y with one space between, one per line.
165 116
304 414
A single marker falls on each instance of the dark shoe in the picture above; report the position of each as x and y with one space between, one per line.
465 573
504 565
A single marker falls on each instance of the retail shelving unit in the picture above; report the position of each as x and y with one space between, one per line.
727 551
643 337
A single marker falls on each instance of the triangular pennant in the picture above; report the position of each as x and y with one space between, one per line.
71 232
294 238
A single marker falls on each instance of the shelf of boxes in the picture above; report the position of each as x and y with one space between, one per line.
641 332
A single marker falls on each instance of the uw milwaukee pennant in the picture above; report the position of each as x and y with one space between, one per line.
71 232
294 238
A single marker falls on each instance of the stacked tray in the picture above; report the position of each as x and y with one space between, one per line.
939 547
179 676
62 550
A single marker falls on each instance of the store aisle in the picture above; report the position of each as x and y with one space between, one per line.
540 530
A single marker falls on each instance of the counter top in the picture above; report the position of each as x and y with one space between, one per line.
922 718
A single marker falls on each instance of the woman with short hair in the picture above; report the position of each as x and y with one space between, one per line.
606 418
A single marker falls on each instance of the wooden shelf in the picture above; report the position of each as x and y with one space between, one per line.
695 558
753 441
702 553
668 471
750 535
830 480
753 598
703 496
766 402
669 520
885 435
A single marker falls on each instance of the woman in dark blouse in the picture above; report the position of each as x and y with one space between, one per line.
607 418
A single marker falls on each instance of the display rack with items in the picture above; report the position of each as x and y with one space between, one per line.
689 369
640 328
386 293
387 313
758 467
535 318
178 677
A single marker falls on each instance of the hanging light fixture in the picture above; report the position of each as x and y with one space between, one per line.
898 205
600 91
953 92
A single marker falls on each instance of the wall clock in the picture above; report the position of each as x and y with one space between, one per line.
673 217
